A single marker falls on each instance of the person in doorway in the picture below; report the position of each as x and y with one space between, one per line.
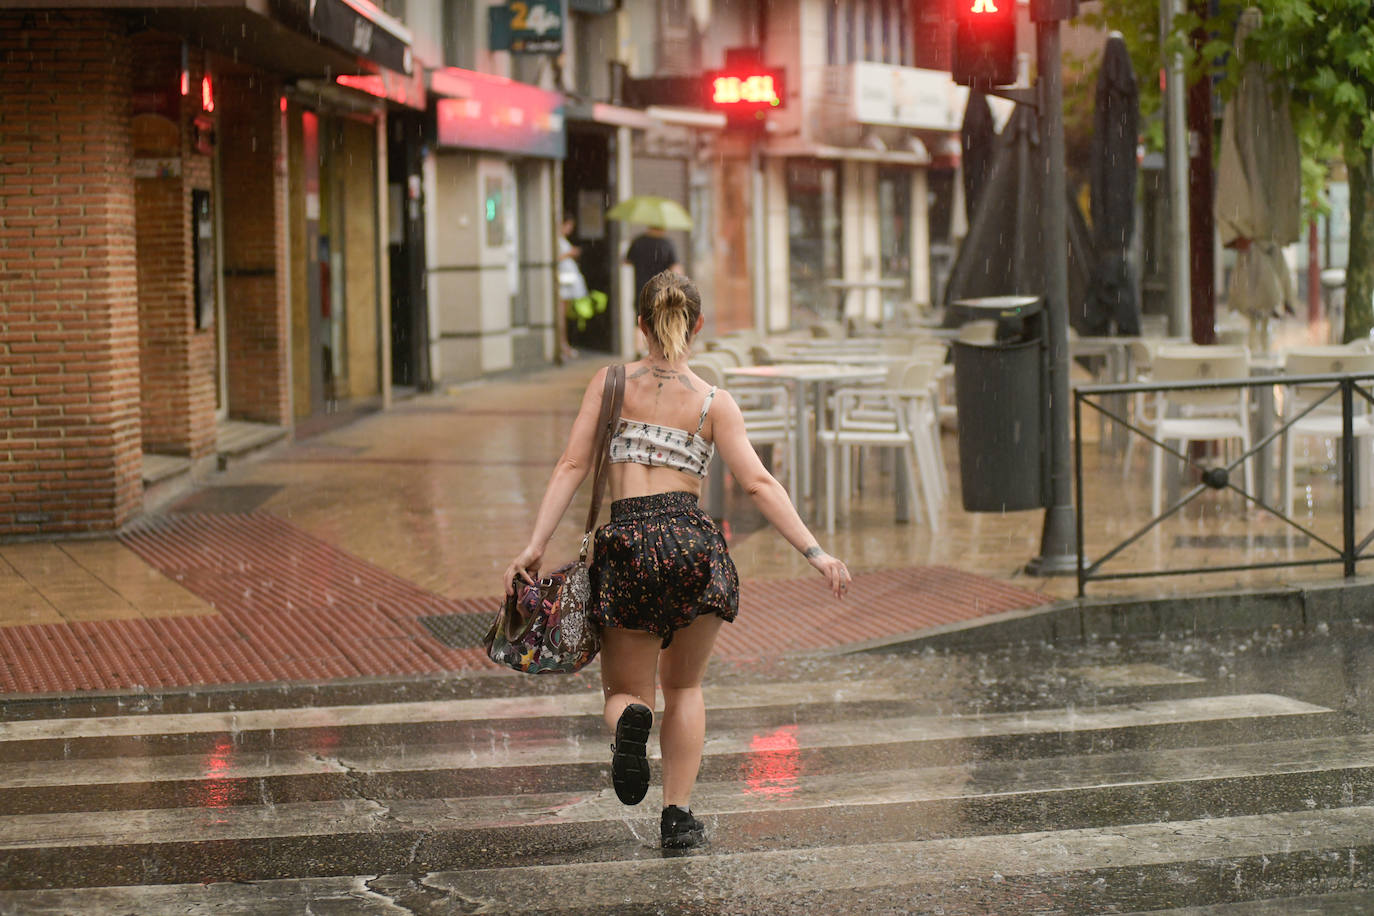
571 285
651 253
662 579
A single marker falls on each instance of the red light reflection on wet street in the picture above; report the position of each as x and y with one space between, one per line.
774 763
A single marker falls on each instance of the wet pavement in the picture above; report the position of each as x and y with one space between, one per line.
1157 775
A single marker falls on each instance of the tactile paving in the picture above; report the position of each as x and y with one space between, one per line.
290 606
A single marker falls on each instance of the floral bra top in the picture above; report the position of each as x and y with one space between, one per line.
664 446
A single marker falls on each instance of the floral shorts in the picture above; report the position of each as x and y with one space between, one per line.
658 564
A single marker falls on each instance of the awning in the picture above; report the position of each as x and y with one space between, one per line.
805 149
686 117
294 38
484 112
605 113
360 27
392 86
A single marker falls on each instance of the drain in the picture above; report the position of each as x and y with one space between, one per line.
459 631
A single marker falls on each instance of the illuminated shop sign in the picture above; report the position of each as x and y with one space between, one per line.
483 112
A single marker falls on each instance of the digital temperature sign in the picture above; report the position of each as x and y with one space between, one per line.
745 95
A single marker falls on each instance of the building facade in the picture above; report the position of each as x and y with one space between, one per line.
232 222
192 217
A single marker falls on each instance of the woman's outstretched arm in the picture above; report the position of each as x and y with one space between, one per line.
568 474
769 495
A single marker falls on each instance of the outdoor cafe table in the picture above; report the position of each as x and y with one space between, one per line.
810 382
852 359
844 287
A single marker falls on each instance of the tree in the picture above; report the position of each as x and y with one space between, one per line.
1324 52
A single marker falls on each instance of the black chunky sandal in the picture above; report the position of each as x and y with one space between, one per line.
629 762
678 829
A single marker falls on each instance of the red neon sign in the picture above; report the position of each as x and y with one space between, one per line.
207 94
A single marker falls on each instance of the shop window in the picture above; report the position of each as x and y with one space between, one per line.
813 237
894 233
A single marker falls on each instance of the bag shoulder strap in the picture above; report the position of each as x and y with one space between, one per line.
612 399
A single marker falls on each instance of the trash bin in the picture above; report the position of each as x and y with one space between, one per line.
998 391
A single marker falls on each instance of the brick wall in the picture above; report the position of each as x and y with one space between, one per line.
177 360
70 457
252 168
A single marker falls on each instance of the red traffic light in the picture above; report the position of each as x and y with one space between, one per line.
985 43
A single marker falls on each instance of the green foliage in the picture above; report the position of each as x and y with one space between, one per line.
1323 50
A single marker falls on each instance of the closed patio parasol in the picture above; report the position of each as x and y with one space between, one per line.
1003 252
1259 190
978 139
1111 301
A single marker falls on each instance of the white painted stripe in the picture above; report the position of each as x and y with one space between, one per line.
503 750
1341 903
577 704
1138 675
770 786
751 876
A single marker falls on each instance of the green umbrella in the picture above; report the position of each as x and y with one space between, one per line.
656 212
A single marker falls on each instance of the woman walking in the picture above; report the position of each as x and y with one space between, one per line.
662 578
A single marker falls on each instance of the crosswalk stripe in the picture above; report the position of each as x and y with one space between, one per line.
578 704
757 875
1348 903
581 886
501 752
773 788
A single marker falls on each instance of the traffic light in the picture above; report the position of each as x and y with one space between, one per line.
745 90
985 43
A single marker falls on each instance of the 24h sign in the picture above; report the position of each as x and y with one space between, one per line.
527 26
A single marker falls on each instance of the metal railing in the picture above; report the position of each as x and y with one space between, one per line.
1218 476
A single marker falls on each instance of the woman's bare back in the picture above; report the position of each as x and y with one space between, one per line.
666 397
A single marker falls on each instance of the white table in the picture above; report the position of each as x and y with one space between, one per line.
809 382
845 287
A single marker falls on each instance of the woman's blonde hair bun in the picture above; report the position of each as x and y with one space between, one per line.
669 305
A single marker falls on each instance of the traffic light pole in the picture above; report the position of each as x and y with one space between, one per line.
1058 539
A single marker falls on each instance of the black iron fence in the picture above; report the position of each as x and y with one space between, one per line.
1112 402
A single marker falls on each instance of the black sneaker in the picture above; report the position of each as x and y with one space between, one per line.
629 763
679 830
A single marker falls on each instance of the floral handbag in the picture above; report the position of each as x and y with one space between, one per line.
547 627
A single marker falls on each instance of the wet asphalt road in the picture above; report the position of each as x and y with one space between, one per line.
1223 775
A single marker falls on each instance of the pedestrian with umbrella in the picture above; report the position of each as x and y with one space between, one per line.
1116 116
651 252
1259 190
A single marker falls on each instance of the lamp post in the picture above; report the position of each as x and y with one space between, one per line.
1058 537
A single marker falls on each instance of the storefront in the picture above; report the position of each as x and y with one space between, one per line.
857 225
491 223
813 237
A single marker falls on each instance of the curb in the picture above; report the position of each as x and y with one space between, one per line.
1297 607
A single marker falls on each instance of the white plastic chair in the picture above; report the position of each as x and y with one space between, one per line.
898 418
1325 420
767 415
1199 416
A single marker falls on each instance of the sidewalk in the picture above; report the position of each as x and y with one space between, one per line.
376 549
